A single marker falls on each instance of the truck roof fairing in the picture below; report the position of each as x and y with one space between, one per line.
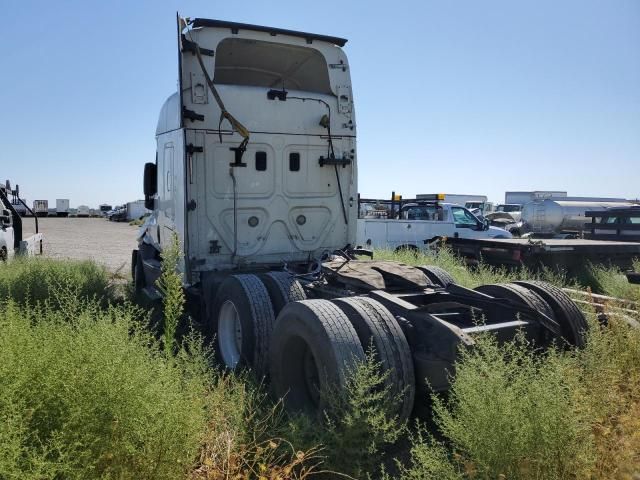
234 26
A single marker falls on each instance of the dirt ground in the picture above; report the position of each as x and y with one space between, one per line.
108 243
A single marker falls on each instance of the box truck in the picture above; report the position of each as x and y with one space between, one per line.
62 207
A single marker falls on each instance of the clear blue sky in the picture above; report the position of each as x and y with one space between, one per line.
451 96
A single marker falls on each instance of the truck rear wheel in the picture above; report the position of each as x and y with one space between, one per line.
438 276
521 295
518 294
283 288
138 271
375 326
313 349
571 319
242 323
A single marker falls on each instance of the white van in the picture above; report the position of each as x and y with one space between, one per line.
422 222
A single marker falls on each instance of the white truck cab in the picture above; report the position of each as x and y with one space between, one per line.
420 222
513 209
256 152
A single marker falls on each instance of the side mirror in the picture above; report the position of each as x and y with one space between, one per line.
150 179
486 224
150 184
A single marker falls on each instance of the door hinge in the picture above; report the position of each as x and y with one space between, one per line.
191 149
191 115
191 205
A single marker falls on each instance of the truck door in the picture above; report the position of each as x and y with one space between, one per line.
466 224
166 205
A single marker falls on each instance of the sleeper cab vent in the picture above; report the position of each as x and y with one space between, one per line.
261 161
294 161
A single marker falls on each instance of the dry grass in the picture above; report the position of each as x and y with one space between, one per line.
239 441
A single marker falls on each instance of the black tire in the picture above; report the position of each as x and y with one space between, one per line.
521 295
313 349
283 288
518 294
438 276
134 261
376 326
572 321
250 299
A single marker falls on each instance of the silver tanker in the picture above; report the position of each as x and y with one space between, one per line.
563 215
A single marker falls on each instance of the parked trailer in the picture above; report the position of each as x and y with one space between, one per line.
41 208
62 207
136 210
570 255
266 221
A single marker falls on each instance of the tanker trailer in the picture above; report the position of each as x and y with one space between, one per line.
563 217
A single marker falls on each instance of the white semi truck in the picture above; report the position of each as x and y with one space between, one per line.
256 174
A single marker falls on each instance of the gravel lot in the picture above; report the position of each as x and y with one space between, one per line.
108 243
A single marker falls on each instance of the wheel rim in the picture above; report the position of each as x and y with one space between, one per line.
229 334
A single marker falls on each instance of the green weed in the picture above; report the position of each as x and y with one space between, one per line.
32 280
87 393
170 285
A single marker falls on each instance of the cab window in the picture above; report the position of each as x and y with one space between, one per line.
463 217
423 212
241 61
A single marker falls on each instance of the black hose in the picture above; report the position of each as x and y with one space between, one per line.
235 215
344 210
